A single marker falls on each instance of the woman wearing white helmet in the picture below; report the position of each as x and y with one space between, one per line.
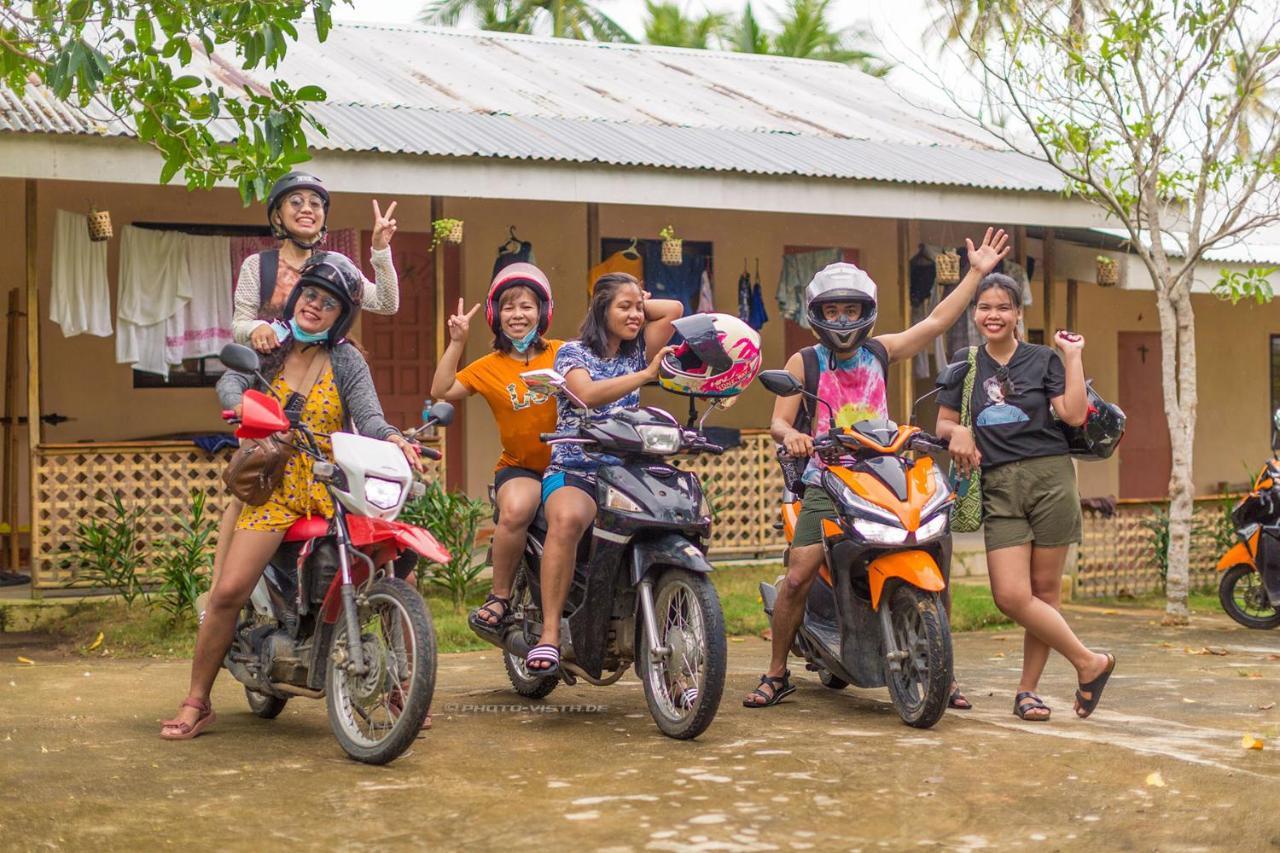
518 310
853 373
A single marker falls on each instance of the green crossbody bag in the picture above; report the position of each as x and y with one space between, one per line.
966 516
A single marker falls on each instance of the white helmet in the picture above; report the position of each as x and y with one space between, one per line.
841 283
720 357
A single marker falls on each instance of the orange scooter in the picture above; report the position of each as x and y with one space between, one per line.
875 616
1250 586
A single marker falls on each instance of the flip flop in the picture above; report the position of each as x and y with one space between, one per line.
1094 689
780 686
545 653
1021 708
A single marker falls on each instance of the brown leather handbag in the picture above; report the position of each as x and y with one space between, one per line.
257 467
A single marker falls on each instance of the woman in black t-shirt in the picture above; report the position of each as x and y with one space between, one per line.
1030 508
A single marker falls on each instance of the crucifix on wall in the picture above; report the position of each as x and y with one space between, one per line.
1143 349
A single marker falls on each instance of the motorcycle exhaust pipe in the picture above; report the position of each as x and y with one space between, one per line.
575 670
297 691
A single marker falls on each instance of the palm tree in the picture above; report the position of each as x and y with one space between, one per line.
808 34
575 19
668 25
749 36
1257 98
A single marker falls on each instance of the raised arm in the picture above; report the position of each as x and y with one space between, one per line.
445 384
382 295
982 260
659 314
1073 404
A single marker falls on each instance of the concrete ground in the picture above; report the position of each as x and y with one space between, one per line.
1161 766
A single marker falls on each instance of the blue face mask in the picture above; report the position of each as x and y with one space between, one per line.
304 337
523 343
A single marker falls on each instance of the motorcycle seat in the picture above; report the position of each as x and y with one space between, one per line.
307 528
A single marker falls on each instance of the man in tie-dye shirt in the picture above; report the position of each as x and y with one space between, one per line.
840 305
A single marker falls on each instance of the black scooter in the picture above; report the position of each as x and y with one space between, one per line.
640 591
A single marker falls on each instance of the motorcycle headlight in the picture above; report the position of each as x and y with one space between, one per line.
858 505
659 439
614 499
384 494
882 534
932 528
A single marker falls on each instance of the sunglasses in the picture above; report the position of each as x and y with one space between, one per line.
315 294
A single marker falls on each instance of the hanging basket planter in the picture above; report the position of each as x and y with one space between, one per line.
446 231
1108 272
672 247
948 265
99 222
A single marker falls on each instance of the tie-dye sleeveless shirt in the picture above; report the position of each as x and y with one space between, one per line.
856 389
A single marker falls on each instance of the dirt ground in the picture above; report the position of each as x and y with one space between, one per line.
1161 766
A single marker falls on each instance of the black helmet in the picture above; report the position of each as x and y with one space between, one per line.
841 283
1101 432
336 274
291 183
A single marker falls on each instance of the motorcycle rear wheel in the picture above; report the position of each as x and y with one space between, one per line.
264 706
377 716
921 687
684 692
523 681
1244 597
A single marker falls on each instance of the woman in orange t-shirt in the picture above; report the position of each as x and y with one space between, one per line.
518 309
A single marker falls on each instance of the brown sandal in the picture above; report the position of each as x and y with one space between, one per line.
187 731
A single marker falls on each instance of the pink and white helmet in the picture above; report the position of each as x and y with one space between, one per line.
720 357
520 275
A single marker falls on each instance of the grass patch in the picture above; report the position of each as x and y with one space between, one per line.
1200 602
973 609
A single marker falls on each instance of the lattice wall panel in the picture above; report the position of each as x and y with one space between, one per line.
743 486
76 482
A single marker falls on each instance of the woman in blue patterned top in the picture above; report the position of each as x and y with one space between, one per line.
622 340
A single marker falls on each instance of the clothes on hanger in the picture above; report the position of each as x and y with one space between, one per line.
797 271
706 295
80 298
514 251
744 295
202 327
155 283
923 273
757 316
627 261
682 282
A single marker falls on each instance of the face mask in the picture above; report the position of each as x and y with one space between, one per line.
304 337
522 344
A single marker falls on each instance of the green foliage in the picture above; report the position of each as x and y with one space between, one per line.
440 229
1234 286
1220 531
109 550
186 560
668 25
453 518
573 19
139 61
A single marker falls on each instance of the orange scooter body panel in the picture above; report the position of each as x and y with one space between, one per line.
790 513
917 568
920 487
1240 553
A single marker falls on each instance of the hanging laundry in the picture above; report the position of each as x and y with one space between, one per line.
514 251
627 261
923 272
744 297
797 271
202 327
682 282
757 316
80 300
155 283
707 295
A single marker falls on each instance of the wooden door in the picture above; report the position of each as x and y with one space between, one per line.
795 336
401 347
1145 453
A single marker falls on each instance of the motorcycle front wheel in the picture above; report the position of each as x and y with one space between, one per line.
684 688
921 686
1244 597
376 716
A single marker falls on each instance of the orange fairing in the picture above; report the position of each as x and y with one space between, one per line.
917 568
1240 553
920 487
790 512
904 432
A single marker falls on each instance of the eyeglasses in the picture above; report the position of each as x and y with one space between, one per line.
314 294
299 201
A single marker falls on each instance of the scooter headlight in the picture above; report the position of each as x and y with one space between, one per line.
616 500
855 504
932 528
659 439
384 494
881 534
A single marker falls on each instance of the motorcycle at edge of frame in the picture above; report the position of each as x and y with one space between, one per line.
1249 589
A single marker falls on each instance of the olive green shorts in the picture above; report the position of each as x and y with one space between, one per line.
816 506
1031 500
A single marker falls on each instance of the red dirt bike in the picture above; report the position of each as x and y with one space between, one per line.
332 616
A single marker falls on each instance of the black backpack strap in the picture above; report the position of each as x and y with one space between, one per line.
881 355
268 264
812 373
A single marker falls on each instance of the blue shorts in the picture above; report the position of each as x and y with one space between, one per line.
558 478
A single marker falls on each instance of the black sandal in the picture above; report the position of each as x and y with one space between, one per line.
479 624
958 701
1094 689
1021 707
780 687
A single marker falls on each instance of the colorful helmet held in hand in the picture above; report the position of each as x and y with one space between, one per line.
720 357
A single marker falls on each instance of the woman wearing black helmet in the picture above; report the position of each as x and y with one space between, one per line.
334 388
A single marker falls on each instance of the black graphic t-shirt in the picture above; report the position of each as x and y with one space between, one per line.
1012 418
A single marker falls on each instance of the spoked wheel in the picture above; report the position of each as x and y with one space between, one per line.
526 683
266 707
1244 597
921 685
683 688
377 715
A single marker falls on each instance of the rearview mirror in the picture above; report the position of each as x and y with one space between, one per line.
948 374
781 383
546 382
239 357
441 413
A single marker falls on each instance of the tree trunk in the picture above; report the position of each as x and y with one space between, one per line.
1178 380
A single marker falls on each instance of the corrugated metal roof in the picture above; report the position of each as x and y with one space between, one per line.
453 93
1258 248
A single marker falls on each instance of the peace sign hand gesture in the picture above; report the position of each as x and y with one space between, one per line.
384 227
460 324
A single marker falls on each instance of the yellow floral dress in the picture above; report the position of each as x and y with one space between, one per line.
299 495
